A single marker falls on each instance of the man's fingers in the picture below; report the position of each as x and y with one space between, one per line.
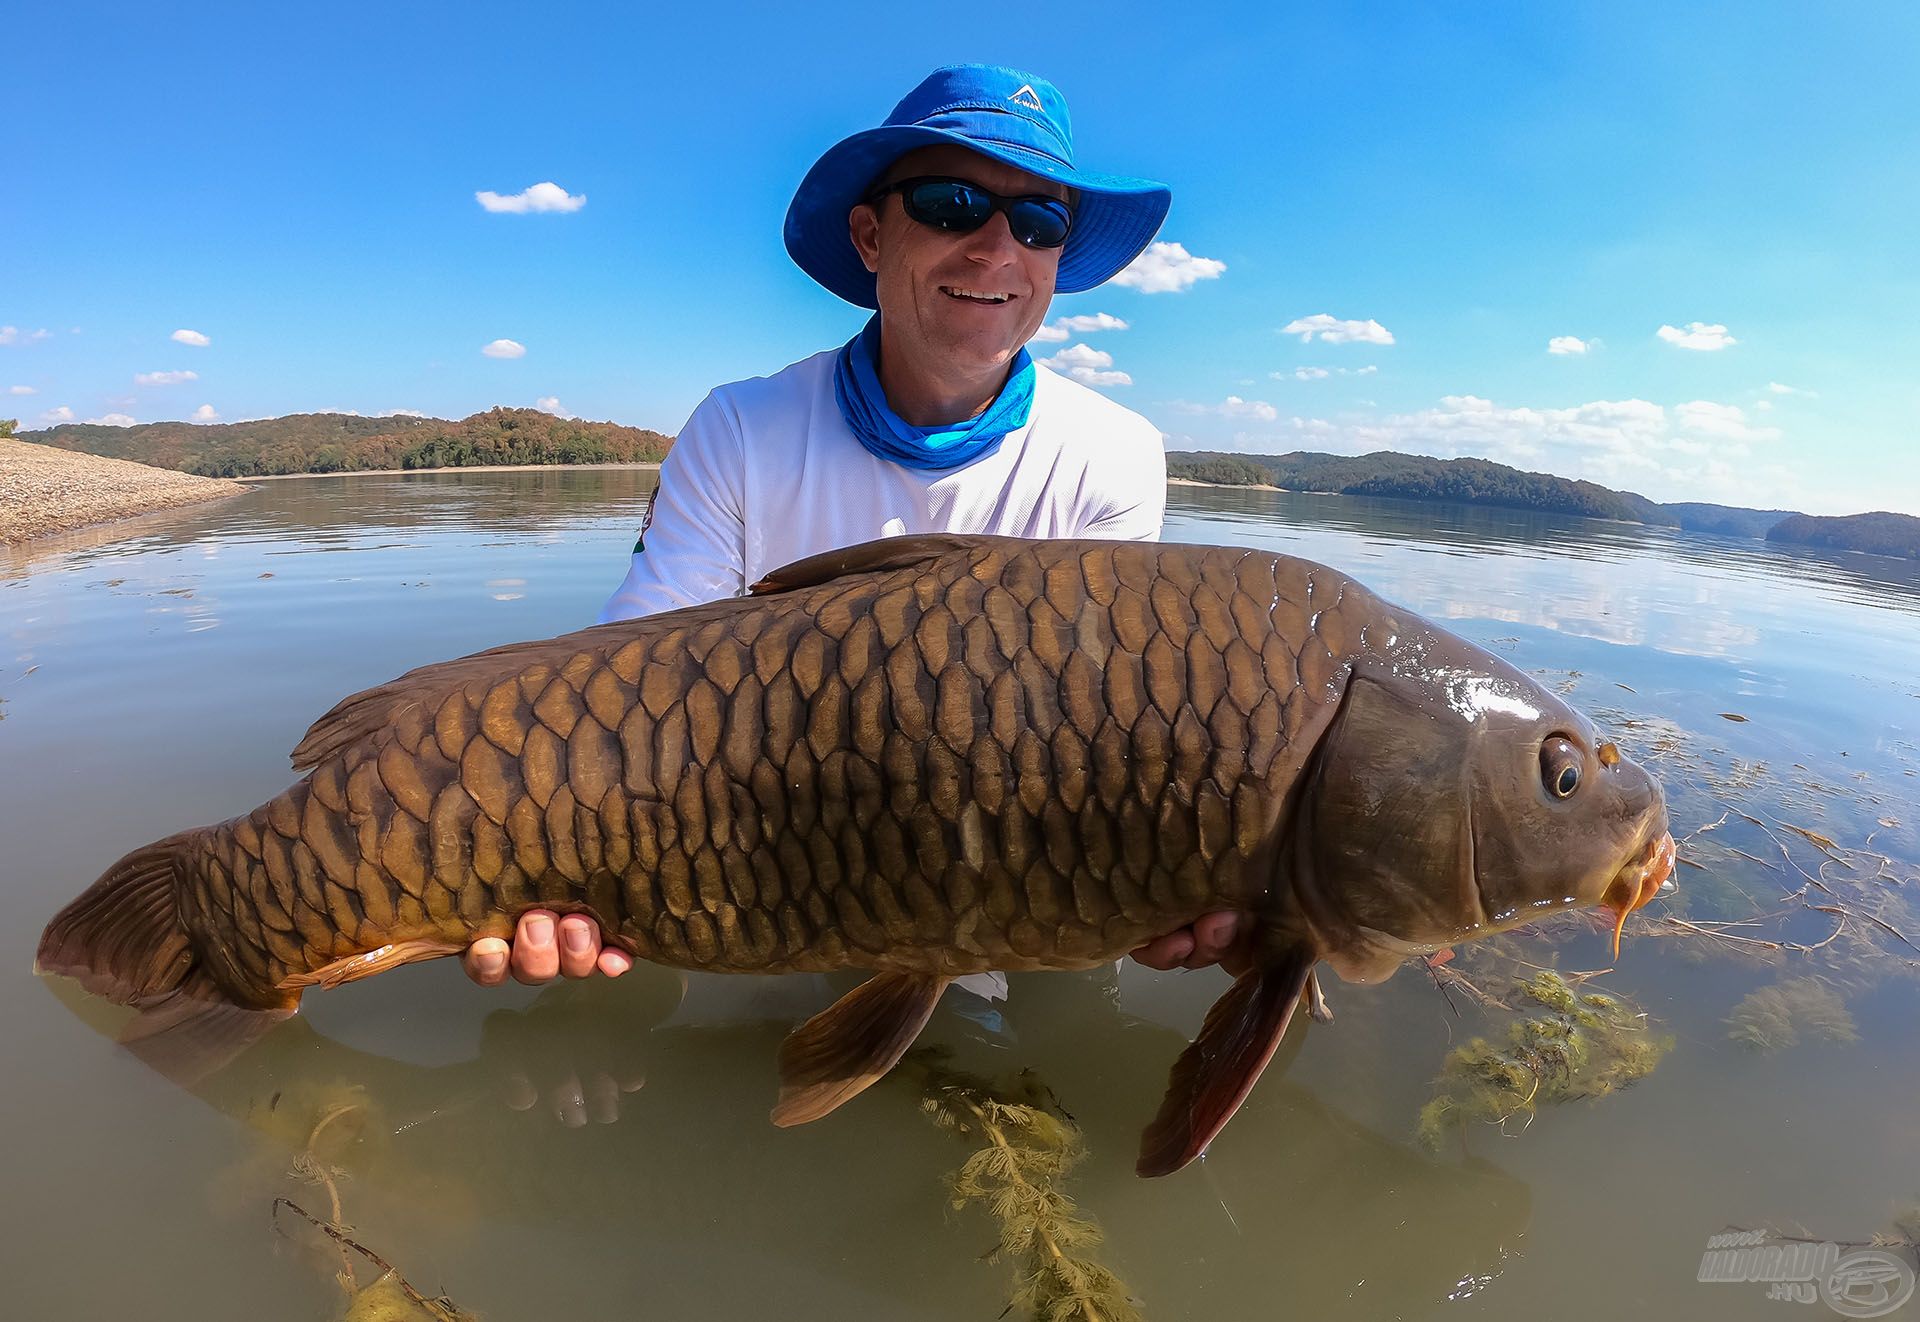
614 961
1167 952
520 1094
579 945
536 956
568 1104
1213 936
603 1099
486 961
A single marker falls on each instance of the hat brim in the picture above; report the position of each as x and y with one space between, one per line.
1115 218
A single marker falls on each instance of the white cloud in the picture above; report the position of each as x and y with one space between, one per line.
401 413
193 337
1698 335
1166 268
547 196
1089 322
163 378
1332 330
1087 365
1774 387
1725 420
1322 373
60 414
21 390
1566 344
206 413
504 349
1235 407
14 335
1050 335
111 420
551 404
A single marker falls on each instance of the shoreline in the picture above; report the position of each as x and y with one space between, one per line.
455 468
1224 486
45 491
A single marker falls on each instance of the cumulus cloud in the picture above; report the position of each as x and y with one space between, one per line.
21 390
60 414
163 378
193 337
1087 365
14 335
1168 268
1235 407
206 413
401 413
547 196
111 420
1698 335
1332 330
1776 388
504 349
1699 450
1566 344
551 404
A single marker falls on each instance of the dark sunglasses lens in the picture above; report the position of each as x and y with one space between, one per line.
1039 224
948 206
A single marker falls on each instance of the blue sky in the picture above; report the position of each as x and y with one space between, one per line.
296 184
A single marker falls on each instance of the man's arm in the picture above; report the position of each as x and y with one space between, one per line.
692 547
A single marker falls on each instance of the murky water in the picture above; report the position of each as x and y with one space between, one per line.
155 677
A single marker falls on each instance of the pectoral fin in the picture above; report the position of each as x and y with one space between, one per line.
1217 1071
836 1054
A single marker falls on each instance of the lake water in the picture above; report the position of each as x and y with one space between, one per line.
154 677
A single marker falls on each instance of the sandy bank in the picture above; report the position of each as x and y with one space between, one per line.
46 490
1230 486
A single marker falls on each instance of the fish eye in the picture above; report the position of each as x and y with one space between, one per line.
1560 767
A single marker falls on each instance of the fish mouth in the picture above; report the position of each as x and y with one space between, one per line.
1635 885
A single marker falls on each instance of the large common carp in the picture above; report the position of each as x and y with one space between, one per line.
927 756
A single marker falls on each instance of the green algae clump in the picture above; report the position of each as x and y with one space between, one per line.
1773 1018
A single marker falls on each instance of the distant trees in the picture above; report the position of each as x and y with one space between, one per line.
7 426
340 443
1226 469
1879 533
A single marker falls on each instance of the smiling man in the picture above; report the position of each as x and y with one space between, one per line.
957 220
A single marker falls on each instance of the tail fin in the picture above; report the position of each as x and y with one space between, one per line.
123 939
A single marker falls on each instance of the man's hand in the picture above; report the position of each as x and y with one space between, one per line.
546 946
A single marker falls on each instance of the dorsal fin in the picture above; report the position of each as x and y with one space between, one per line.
867 558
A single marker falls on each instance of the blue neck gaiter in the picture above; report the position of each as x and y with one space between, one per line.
856 387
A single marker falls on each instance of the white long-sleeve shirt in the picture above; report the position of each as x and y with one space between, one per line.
767 472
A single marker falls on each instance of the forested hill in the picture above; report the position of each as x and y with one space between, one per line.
1880 533
341 442
1469 481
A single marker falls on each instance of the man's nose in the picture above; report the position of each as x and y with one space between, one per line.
993 241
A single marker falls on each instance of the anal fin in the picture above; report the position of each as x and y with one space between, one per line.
852 1043
354 967
1218 1069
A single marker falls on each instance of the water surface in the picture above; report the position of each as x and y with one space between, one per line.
154 676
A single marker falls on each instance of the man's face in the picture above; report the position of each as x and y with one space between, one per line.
928 280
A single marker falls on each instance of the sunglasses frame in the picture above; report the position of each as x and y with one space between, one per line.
997 202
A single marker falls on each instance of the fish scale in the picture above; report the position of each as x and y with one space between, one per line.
684 779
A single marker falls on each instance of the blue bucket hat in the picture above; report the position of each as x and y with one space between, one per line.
1005 114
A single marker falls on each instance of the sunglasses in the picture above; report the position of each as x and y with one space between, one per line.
958 207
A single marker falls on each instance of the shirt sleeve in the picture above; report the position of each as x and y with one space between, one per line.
692 547
1136 504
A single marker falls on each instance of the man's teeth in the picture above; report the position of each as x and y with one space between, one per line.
976 294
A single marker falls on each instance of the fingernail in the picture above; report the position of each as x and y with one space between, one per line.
540 930
576 939
491 963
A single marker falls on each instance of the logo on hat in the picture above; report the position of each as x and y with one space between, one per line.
1026 96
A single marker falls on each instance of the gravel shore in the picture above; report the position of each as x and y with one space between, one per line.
45 490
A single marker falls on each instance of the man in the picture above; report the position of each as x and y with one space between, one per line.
957 220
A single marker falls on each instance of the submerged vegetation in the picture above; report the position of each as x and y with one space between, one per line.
1773 1018
1024 1145
1561 1045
